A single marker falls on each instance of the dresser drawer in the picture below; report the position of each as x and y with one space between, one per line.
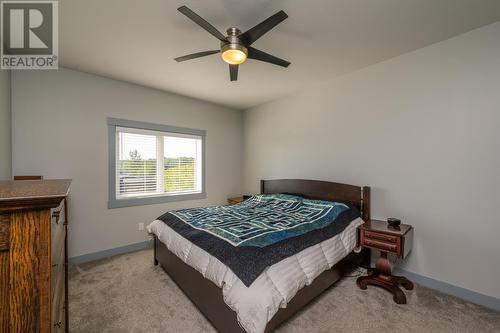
380 236
58 321
58 241
58 214
58 277
57 229
381 245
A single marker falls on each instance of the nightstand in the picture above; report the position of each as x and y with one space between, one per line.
235 200
394 240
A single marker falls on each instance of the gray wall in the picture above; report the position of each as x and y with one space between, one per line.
5 125
60 131
423 130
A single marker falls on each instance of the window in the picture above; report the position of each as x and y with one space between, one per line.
152 163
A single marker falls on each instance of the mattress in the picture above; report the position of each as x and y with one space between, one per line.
275 287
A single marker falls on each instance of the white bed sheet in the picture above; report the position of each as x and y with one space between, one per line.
275 287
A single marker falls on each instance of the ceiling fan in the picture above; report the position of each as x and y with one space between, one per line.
236 47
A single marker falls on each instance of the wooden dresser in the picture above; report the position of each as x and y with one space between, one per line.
33 256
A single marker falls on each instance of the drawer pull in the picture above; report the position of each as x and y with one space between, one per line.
55 215
58 324
55 265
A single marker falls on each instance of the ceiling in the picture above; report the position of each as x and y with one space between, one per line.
136 41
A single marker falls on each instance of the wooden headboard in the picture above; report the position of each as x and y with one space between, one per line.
321 190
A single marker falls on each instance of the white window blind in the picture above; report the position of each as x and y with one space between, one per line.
151 163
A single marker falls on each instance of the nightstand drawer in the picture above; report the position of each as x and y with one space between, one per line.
382 237
380 245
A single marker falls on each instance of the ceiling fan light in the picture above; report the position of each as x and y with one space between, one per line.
234 57
234 54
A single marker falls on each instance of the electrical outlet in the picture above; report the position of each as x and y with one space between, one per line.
141 226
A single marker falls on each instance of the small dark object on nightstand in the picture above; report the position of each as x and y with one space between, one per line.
393 222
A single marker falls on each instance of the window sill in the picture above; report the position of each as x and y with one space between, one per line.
121 203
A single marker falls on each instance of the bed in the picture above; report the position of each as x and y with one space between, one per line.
208 290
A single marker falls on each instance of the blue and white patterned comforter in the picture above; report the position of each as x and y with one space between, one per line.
261 231
262 220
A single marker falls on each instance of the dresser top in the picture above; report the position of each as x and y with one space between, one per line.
33 193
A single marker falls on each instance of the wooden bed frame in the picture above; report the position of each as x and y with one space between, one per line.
207 297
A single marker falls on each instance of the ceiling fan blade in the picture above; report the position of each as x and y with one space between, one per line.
202 22
233 72
260 29
196 55
253 53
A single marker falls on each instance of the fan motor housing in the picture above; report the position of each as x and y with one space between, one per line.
233 46
233 32
232 41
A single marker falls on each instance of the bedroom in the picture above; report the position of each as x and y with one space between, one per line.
397 99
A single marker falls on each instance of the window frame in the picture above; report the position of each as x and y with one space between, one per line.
113 202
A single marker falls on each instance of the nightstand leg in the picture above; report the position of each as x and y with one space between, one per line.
382 277
407 284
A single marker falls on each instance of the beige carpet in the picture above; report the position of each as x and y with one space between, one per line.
128 294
